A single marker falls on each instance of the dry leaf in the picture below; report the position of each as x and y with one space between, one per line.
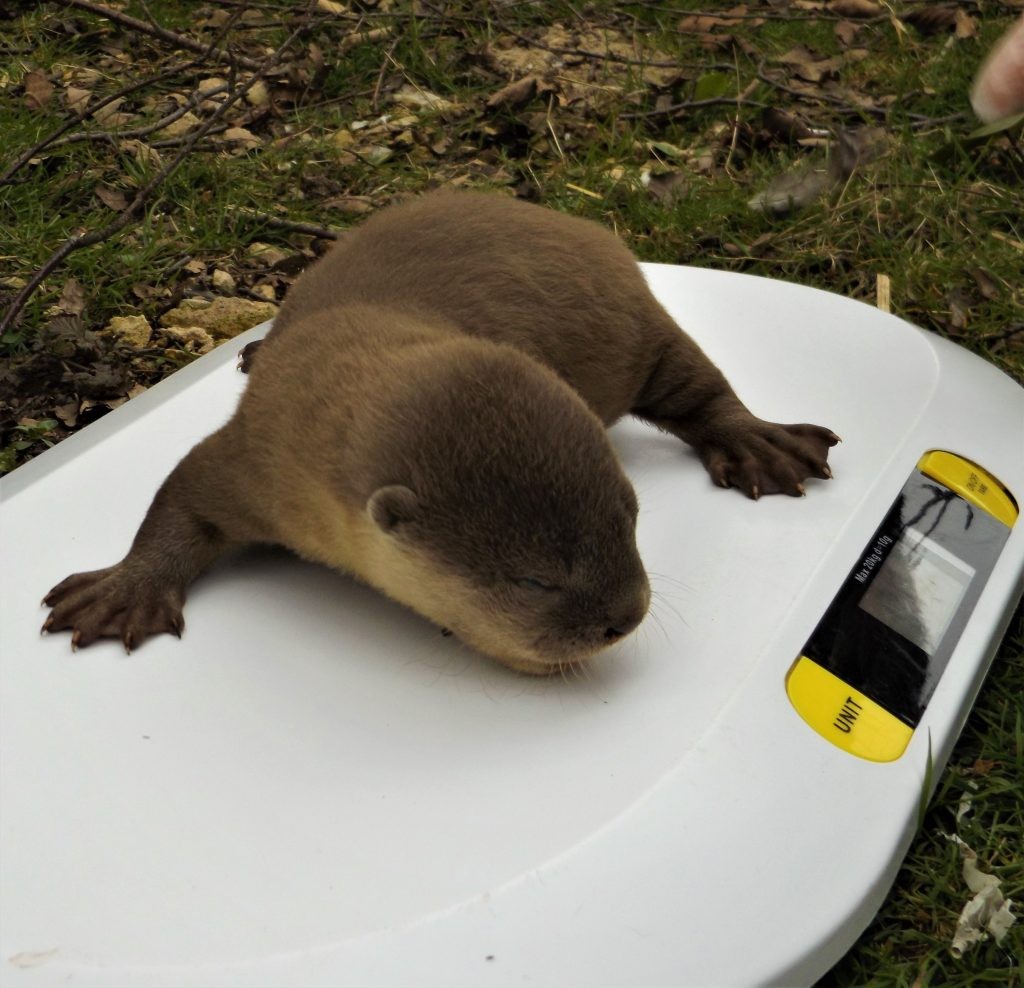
855 8
415 98
987 286
114 199
515 94
810 67
143 153
258 94
182 125
239 135
38 89
846 32
72 298
966 26
76 99
67 414
110 113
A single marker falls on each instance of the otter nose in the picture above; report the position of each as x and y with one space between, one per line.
623 627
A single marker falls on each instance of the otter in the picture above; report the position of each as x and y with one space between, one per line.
428 414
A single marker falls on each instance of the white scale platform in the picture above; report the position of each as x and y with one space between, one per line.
314 787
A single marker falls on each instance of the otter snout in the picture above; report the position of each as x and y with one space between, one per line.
626 616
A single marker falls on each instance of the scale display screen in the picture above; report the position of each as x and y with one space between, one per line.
867 672
918 590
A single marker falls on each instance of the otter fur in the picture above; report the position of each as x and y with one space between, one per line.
428 413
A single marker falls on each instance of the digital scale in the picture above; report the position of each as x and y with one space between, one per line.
316 787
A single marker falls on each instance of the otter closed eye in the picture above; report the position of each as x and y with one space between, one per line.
532 583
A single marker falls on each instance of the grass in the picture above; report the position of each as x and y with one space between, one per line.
941 214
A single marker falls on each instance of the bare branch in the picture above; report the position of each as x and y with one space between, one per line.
73 121
295 227
144 193
156 31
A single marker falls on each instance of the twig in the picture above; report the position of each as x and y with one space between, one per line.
114 136
156 31
692 105
88 111
295 227
22 159
142 196
1006 334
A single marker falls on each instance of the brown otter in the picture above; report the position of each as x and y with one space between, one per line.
428 414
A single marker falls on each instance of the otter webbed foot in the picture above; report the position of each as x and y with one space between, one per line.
759 457
116 602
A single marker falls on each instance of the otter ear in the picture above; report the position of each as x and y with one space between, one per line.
393 505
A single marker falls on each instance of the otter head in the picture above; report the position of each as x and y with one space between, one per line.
501 512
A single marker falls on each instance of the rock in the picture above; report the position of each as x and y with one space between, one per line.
223 281
267 291
223 318
266 254
133 330
193 338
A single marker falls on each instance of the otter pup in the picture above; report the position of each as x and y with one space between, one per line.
428 413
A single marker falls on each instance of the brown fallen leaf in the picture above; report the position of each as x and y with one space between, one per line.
966 26
72 298
67 414
38 89
810 67
110 115
186 122
668 188
846 32
986 284
113 199
982 766
856 8
785 125
76 99
349 205
515 94
243 139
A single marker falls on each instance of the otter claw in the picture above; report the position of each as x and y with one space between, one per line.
127 639
76 637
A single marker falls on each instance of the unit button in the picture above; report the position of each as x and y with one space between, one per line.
843 715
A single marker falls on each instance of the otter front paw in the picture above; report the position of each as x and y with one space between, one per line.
766 458
113 603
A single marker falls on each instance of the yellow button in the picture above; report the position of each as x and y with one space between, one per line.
971 482
843 715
